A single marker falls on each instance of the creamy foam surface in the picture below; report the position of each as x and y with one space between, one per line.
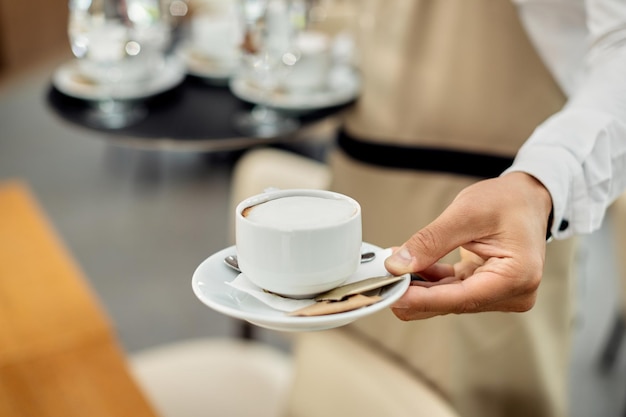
300 212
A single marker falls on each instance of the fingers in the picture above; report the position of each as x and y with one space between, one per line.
488 289
437 272
421 302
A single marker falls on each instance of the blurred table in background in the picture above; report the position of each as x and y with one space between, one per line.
59 354
194 116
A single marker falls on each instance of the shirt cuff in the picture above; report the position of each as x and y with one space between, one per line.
553 167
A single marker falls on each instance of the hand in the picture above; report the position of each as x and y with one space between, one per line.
500 225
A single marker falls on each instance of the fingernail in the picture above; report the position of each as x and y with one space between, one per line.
401 258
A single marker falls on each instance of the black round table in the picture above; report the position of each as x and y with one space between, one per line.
194 116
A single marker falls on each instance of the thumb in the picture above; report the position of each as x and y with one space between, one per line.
427 246
471 214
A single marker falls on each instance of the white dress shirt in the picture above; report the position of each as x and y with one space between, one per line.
579 153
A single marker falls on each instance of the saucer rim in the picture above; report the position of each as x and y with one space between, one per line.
228 70
302 102
280 321
173 74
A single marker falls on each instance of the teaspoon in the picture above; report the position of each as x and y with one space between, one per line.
231 260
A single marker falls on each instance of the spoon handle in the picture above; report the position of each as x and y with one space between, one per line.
231 260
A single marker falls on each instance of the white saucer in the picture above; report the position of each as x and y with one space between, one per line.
344 85
208 284
200 65
68 80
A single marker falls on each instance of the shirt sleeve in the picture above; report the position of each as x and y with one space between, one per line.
579 154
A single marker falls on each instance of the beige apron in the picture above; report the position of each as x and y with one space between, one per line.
453 74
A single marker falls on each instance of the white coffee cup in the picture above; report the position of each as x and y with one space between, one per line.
298 242
312 69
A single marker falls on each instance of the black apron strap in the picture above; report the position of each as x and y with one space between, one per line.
418 158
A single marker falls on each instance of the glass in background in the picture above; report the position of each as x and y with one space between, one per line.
213 37
268 53
121 45
338 20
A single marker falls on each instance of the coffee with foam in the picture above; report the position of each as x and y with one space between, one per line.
300 212
298 242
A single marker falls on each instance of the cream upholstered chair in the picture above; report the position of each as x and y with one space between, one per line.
214 377
384 387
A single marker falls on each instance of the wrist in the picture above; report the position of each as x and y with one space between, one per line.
540 198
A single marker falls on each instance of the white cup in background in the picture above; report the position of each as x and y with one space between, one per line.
113 51
217 36
298 242
311 71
